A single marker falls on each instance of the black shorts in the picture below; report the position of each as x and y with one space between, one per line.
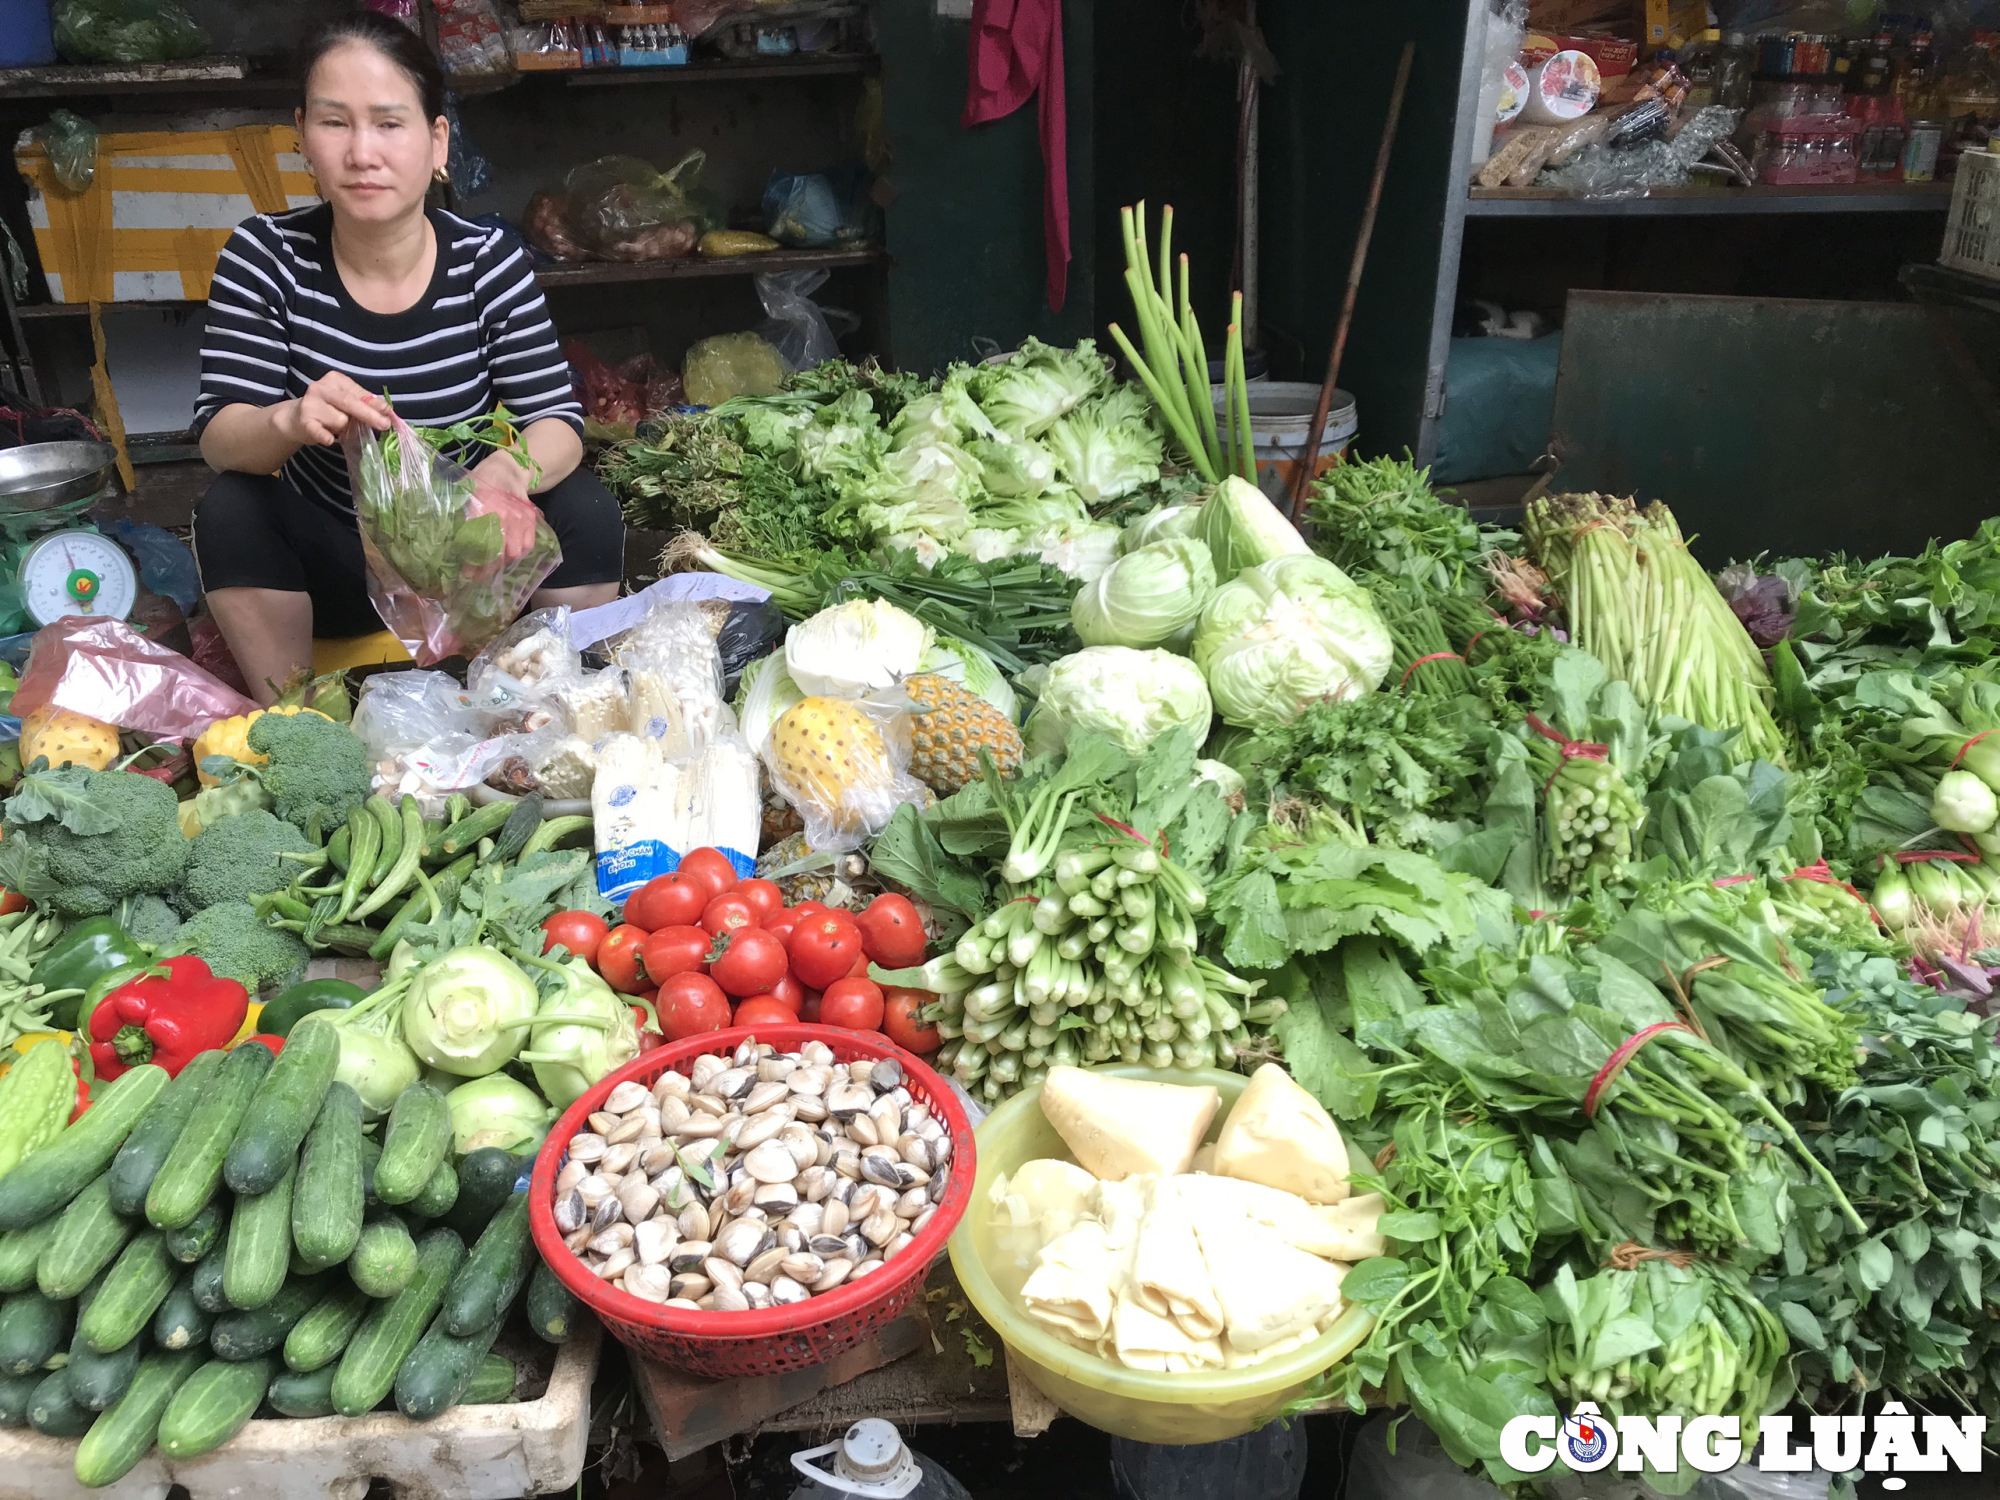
255 531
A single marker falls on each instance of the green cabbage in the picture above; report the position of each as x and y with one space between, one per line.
1243 529
1109 448
1132 697
1038 385
1286 633
852 649
1158 525
1151 597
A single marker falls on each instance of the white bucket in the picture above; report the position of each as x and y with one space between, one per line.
1281 413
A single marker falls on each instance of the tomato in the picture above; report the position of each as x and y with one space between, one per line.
902 1024
764 898
667 901
677 950
650 1035
892 932
618 959
823 948
781 929
809 1007
789 992
752 962
578 931
762 1010
710 868
727 911
808 909
859 968
691 1004
853 1003
11 902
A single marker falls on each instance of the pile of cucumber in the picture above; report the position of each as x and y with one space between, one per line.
196 1249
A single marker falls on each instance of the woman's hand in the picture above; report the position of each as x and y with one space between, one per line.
500 487
331 405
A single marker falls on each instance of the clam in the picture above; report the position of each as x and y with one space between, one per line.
834 1217
703 1069
757 1294
608 1212
776 1069
880 1227
763 1094
846 1100
771 1162
654 1240
805 1268
778 1198
627 1097
603 1122
671 1085
809 1108
616 1265
885 1075
650 1283
867 1267
673 1110
688 1255
571 1174
570 1212
763 1267
785 1291
809 1081
691 1286
722 1272
836 1271
614 1238
638 1198
899 1243
731 1083
618 1157
862 1129
585 1146
686 1304
758 1129
629 1129
739 1241
912 1203
726 1299
693 1222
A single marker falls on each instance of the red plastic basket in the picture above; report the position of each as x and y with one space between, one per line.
766 1341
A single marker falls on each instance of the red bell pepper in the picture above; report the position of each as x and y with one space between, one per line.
166 1015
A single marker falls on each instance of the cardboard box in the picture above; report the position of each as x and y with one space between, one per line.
1614 56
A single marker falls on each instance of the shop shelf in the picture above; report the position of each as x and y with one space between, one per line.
1694 202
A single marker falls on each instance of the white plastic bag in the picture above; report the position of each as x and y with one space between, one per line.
844 766
798 329
675 693
428 737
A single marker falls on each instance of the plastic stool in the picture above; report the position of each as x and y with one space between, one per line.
341 654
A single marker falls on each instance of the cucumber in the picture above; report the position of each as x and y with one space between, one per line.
250 1335
145 1150
493 1274
205 1285
318 1337
393 1327
372 1207
15 1393
212 1407
54 1411
123 1434
282 1110
486 1180
439 1193
259 1251
21 1251
492 1382
417 1139
31 1329
132 1292
96 1380
384 1259
88 1238
435 1376
328 1199
552 1307
193 1168
199 1235
303 1393
182 1322
480 824
45 1182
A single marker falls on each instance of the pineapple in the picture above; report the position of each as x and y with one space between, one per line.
827 754
951 725
67 738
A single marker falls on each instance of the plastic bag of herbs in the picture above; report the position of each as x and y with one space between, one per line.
442 571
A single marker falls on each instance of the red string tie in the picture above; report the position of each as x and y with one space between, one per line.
1569 749
1968 745
1623 1054
1434 656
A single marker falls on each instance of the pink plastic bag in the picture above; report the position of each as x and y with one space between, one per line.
107 670
448 569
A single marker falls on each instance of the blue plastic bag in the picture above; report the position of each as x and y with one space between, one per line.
821 210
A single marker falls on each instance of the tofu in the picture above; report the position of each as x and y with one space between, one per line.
1278 1135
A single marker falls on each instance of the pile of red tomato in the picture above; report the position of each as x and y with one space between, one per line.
710 950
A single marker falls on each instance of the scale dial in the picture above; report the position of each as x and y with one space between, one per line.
77 573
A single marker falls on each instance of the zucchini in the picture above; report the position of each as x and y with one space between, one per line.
282 1110
45 1182
435 1376
145 1150
205 1285
417 1139
182 1322
368 1367
199 1235
193 1168
328 1199
486 1179
303 1393
88 1238
522 821
15 1393
21 1251
440 1191
251 1335
31 1329
212 1407
259 1251
318 1337
493 1274
552 1307
123 1434
54 1411
384 1259
133 1290
492 1382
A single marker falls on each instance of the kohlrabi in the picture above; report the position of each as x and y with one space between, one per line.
497 1111
582 1031
1963 803
374 1062
467 1011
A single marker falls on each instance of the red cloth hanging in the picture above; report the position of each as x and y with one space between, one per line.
1015 52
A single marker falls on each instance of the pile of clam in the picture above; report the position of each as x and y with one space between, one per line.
754 1180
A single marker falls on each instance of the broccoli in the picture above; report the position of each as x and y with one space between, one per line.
233 940
316 766
79 841
148 919
236 858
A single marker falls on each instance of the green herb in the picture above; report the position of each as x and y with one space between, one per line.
1380 517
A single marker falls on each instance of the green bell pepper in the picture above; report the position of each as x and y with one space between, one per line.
301 1000
82 956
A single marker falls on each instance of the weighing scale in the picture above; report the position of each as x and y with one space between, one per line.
53 562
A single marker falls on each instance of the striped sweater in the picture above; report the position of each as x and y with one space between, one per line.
279 318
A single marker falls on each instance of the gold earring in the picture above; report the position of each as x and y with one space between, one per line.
441 177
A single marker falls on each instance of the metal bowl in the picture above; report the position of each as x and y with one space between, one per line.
40 476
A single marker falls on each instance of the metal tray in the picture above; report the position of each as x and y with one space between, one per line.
41 476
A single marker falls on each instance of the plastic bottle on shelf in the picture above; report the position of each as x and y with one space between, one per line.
872 1462
1268 1464
1734 65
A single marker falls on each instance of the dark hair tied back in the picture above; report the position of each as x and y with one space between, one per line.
393 40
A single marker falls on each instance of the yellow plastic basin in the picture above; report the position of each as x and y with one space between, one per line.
1145 1405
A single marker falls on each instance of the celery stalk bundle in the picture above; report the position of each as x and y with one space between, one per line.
1174 367
1640 603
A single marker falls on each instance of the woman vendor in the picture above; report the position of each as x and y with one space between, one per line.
316 314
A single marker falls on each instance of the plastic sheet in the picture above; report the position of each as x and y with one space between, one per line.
125 31
1606 170
676 679
105 669
471 173
471 42
798 330
428 737
847 782
71 142
166 566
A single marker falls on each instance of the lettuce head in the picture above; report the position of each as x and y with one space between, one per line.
855 648
1286 633
1132 697
1149 597
1243 529
1038 385
1108 448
